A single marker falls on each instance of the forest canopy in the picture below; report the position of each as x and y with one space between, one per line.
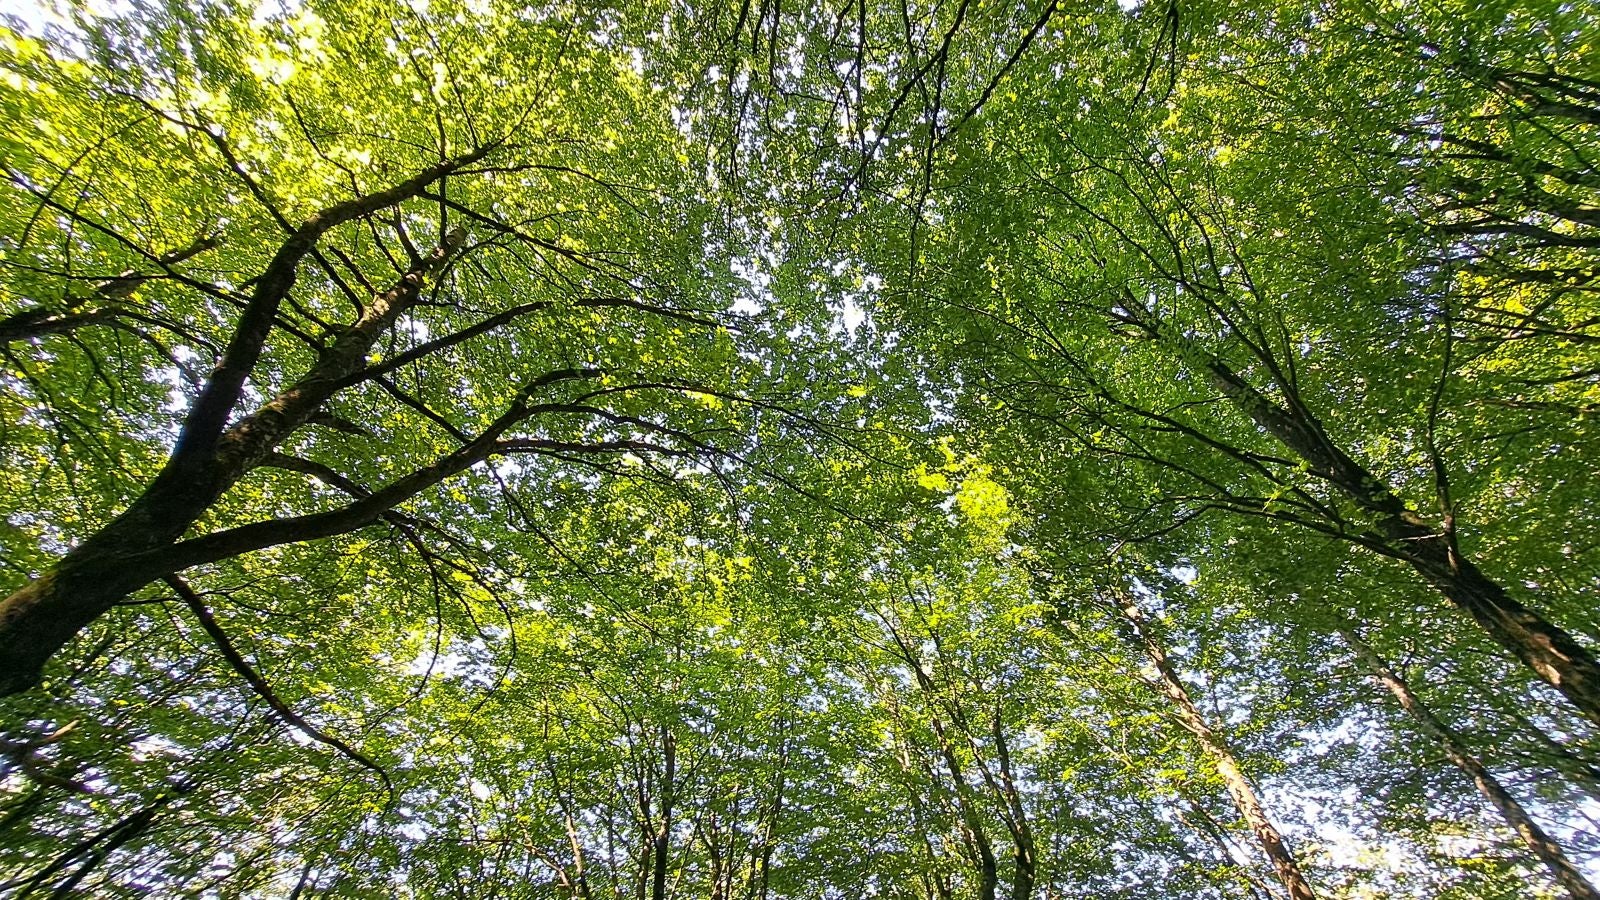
949 450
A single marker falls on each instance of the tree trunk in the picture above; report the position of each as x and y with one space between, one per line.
1398 532
1541 844
976 838
95 849
663 836
1024 852
972 822
1239 787
1552 653
769 825
39 618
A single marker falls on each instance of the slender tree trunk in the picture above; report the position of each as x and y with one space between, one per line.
579 873
711 838
938 884
983 850
977 839
1024 852
300 885
663 836
95 849
769 826
1558 755
1233 777
1210 829
1540 843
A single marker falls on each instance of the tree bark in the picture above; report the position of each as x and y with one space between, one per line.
977 839
1024 852
1553 654
127 553
1216 748
1546 848
663 835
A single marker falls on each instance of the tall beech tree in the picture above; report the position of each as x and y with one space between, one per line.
1541 844
1127 242
288 345
1239 786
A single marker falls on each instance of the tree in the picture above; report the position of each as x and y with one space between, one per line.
1216 747
287 349
1145 244
1541 844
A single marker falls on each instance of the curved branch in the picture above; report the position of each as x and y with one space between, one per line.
259 684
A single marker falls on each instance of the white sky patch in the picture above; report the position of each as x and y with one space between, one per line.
267 10
507 467
417 329
37 15
756 299
33 16
151 747
446 663
849 314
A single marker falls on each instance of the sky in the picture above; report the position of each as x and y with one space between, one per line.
29 11
36 14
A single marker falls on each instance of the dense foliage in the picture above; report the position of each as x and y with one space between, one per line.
960 450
